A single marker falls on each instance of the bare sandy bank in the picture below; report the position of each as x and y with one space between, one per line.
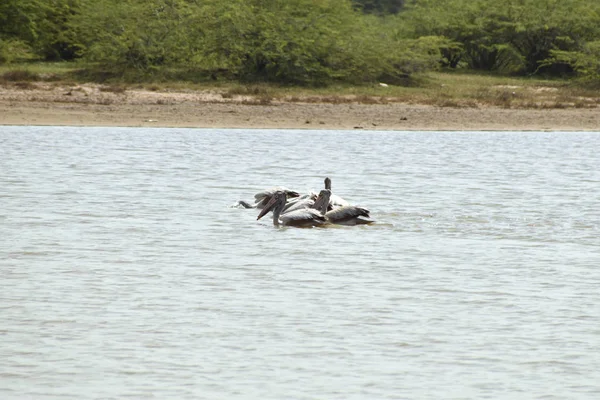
89 105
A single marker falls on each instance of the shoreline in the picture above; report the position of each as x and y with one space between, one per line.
88 105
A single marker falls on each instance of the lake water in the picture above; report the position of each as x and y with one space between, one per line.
126 273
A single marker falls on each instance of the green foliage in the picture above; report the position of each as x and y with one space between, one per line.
14 50
423 53
55 40
586 62
131 34
308 42
277 40
508 36
36 29
18 19
297 41
379 6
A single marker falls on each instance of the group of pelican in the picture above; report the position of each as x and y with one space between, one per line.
291 209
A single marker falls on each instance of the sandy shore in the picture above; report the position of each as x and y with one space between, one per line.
93 105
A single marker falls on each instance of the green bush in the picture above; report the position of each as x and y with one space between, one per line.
300 42
511 36
309 42
121 35
36 29
14 50
586 62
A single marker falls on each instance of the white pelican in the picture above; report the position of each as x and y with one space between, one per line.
335 201
298 203
302 218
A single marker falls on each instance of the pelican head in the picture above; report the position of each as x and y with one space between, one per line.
276 204
322 201
327 183
291 193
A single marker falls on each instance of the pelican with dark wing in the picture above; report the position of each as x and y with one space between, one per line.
344 215
305 217
262 198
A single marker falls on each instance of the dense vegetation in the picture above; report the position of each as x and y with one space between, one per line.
311 42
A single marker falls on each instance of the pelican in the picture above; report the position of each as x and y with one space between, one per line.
298 203
271 191
262 198
344 215
302 218
335 201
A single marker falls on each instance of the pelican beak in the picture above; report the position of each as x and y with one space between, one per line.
322 201
267 207
318 203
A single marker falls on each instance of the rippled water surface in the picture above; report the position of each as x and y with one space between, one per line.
126 273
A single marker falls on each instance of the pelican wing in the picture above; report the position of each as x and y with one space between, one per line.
271 191
298 205
349 215
337 201
303 217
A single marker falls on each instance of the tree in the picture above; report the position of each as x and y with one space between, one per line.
55 40
18 28
310 42
36 29
298 41
132 33
585 62
379 6
509 36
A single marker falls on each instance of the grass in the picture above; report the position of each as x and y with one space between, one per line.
46 71
443 89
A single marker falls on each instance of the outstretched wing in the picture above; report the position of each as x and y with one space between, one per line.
271 191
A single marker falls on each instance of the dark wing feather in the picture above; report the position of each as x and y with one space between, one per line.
350 215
